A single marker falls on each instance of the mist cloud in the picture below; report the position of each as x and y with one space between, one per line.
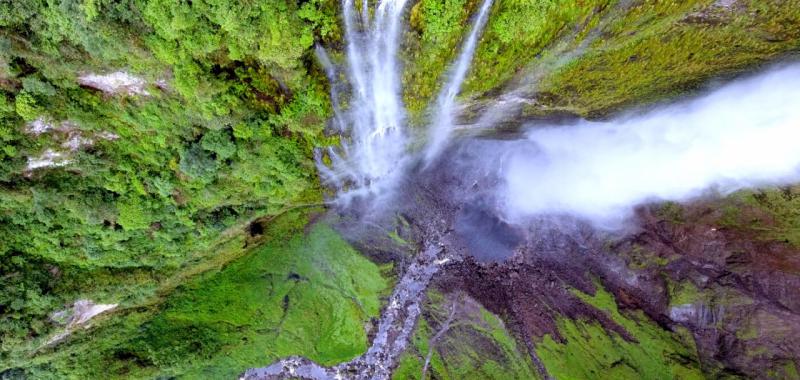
745 134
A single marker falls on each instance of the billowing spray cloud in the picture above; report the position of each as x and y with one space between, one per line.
745 134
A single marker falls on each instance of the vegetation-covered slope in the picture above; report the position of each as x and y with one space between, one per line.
224 134
309 294
594 57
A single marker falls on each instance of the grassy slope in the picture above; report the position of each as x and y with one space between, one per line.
435 31
591 352
476 346
640 57
228 139
300 294
661 49
516 32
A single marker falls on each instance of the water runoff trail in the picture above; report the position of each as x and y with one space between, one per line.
369 163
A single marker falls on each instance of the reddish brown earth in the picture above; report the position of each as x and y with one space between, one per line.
743 309
745 321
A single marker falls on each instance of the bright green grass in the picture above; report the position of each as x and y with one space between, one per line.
303 294
783 207
590 352
519 30
477 346
684 293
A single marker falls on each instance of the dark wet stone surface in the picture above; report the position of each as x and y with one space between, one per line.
486 237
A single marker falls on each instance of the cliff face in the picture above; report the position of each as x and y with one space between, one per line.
697 296
151 150
696 290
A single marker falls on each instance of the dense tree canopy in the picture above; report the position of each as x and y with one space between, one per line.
232 109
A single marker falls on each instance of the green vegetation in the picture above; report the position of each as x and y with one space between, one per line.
436 30
771 214
519 30
595 57
589 351
476 345
789 371
299 294
684 293
663 48
516 32
158 196
778 214
226 138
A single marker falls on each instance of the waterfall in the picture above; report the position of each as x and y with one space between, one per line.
371 155
446 102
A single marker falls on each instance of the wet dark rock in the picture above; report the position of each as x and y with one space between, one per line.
733 292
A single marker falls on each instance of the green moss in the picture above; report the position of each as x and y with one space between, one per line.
790 371
783 207
307 295
589 351
662 48
397 239
476 346
641 258
436 27
518 31
595 57
730 216
768 214
671 211
684 293
748 332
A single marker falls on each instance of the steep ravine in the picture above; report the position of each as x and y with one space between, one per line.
580 302
691 292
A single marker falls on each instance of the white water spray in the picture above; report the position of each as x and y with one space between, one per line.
373 150
446 102
745 134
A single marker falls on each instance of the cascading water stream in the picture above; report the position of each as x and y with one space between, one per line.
372 152
373 158
443 120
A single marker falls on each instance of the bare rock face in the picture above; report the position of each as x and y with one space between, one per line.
48 159
118 82
44 124
712 299
81 312
724 3
733 290
70 137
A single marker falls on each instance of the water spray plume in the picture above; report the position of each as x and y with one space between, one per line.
742 135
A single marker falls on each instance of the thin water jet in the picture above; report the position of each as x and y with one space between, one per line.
442 126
